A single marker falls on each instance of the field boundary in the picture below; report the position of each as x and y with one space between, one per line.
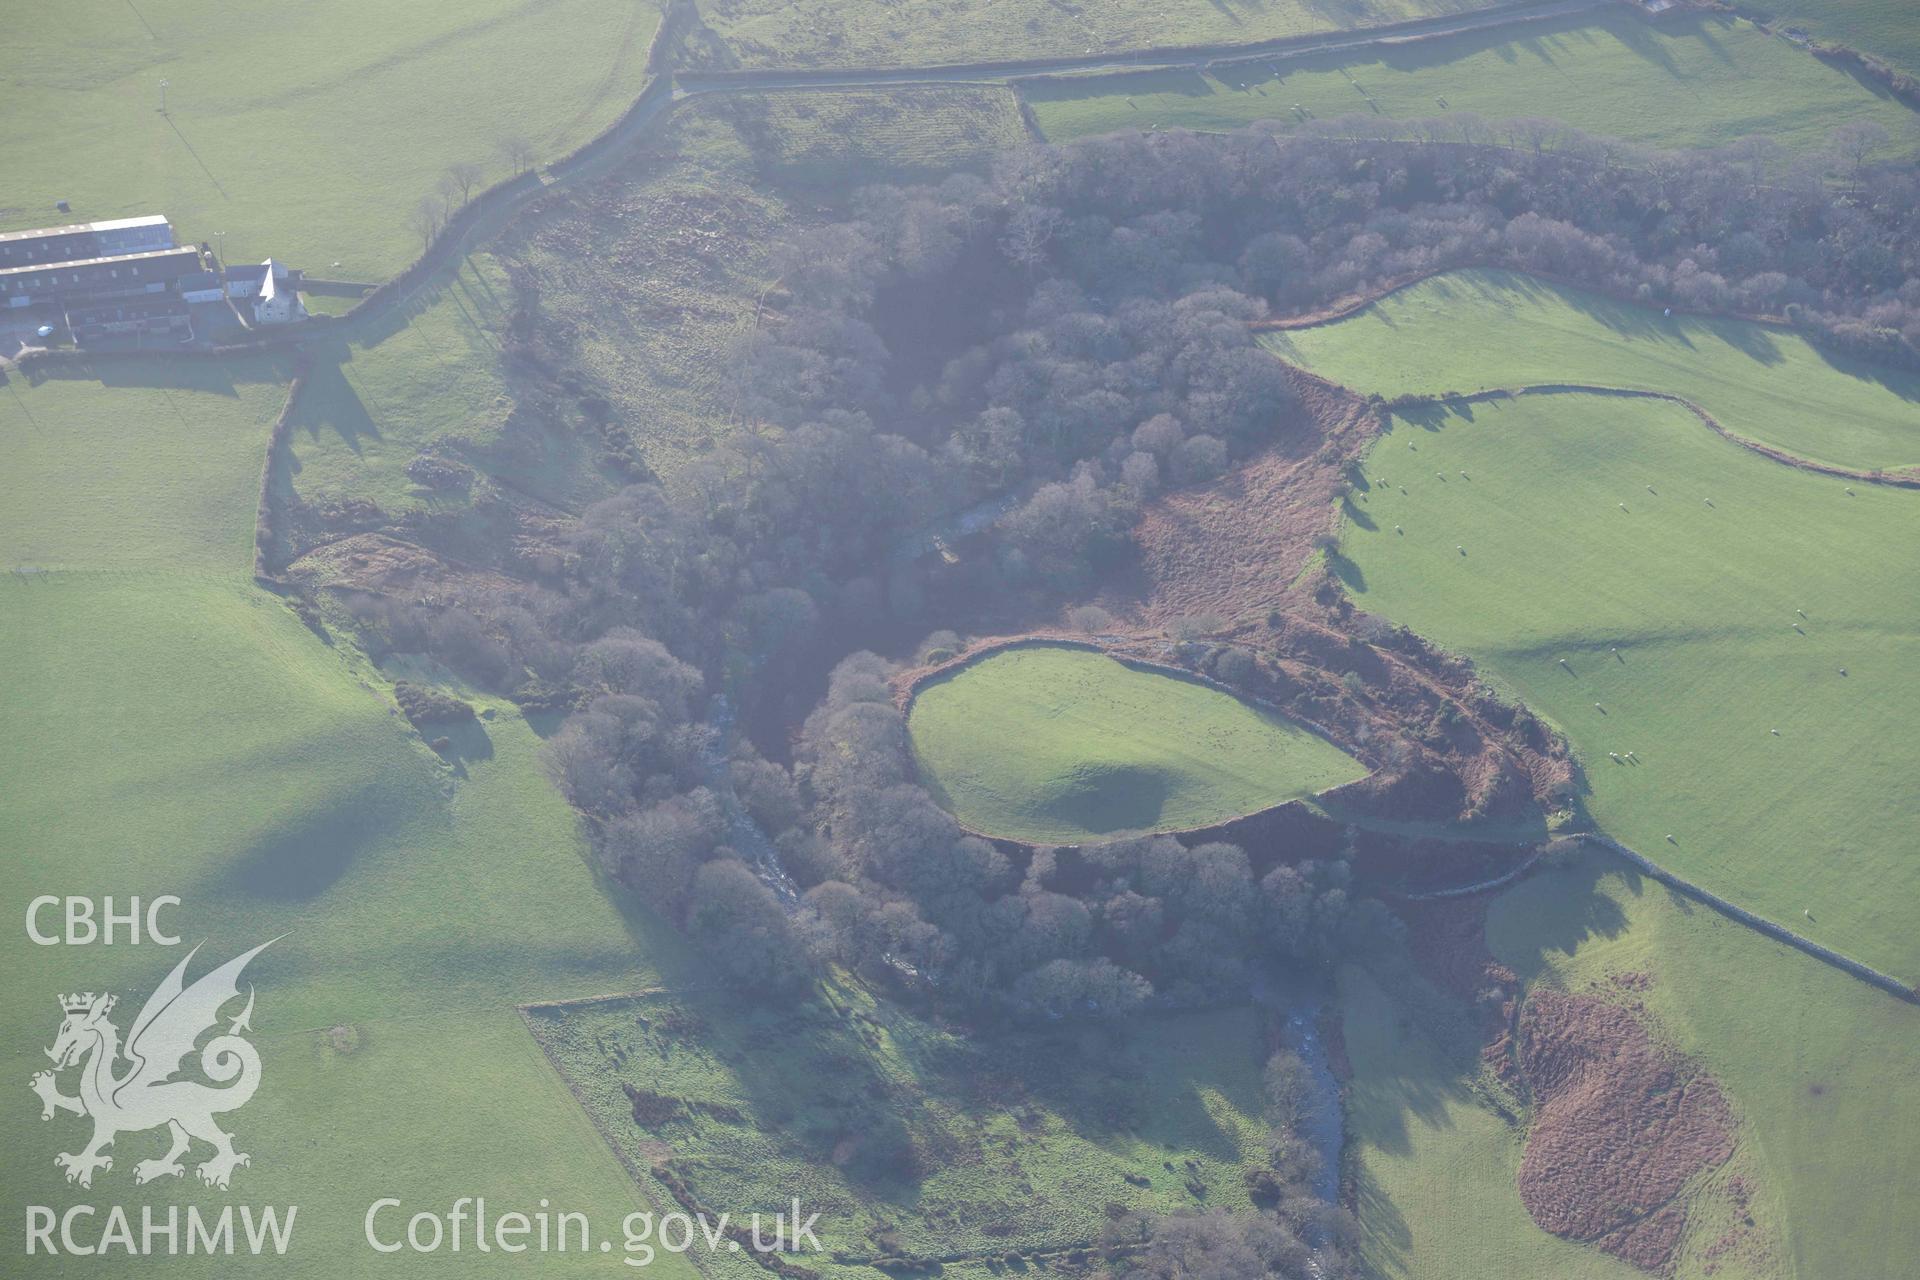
1353 304
1906 479
1778 932
1546 849
1388 35
1679 884
1159 55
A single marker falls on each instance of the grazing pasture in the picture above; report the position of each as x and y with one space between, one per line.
1065 745
136 464
1609 73
1670 600
1883 28
911 1138
174 729
1819 1067
1470 330
305 132
848 33
433 385
1433 1165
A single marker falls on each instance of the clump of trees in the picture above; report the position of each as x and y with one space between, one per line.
901 887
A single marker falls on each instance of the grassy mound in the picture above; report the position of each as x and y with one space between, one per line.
1469 330
307 132
1611 74
1539 535
1065 745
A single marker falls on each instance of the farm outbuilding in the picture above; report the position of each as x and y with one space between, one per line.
121 275
166 314
81 240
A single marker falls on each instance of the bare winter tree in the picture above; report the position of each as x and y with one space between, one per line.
463 177
426 220
515 152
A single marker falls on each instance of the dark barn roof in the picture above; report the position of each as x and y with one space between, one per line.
125 273
79 241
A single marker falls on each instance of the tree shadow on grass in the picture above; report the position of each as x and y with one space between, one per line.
1347 571
330 403
1384 1232
465 740
307 855
1564 909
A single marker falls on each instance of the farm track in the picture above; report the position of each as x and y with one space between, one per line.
488 213
1492 17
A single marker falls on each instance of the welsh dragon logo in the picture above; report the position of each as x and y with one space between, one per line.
146 1095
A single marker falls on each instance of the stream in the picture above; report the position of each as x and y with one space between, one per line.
1299 1003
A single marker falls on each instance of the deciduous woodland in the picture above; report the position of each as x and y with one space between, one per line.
1072 332
1048 357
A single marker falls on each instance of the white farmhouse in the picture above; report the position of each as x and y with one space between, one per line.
276 300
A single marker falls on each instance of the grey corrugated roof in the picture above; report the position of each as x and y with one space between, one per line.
84 228
76 263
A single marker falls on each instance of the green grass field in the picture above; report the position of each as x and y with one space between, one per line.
1884 28
1686 80
1065 745
136 466
899 1131
1470 330
433 379
1820 1068
783 33
1701 601
173 729
305 132
1433 1166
